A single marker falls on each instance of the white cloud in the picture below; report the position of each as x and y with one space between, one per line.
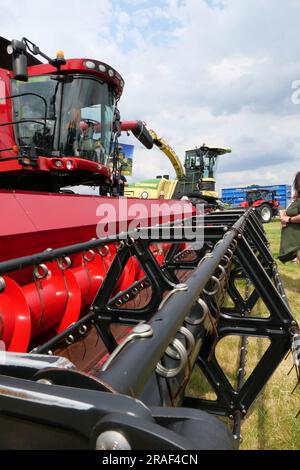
232 69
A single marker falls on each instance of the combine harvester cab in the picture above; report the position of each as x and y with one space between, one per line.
104 334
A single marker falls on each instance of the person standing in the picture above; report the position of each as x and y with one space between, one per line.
119 183
290 233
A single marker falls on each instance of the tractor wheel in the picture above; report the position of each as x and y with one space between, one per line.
265 212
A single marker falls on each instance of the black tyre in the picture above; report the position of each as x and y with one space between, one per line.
265 213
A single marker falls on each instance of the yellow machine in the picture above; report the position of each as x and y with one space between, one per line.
196 179
170 153
152 189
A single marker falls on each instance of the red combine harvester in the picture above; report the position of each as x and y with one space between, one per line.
264 201
57 124
103 333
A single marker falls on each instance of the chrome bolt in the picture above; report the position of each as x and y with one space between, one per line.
82 330
112 440
70 340
44 381
2 284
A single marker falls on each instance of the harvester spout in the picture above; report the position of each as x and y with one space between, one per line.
140 131
170 153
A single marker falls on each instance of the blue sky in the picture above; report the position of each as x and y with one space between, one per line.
147 17
196 71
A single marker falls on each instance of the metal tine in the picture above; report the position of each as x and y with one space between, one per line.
288 354
296 386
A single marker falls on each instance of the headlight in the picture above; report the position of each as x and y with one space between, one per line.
90 65
58 163
144 195
10 49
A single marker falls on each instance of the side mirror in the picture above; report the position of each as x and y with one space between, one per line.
19 60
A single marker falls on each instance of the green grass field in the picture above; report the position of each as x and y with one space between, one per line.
271 422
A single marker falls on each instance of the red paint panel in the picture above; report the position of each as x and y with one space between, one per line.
32 222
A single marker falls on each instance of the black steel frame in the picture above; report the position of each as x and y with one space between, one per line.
235 232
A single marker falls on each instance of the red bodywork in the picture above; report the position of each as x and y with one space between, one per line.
32 308
41 301
259 202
